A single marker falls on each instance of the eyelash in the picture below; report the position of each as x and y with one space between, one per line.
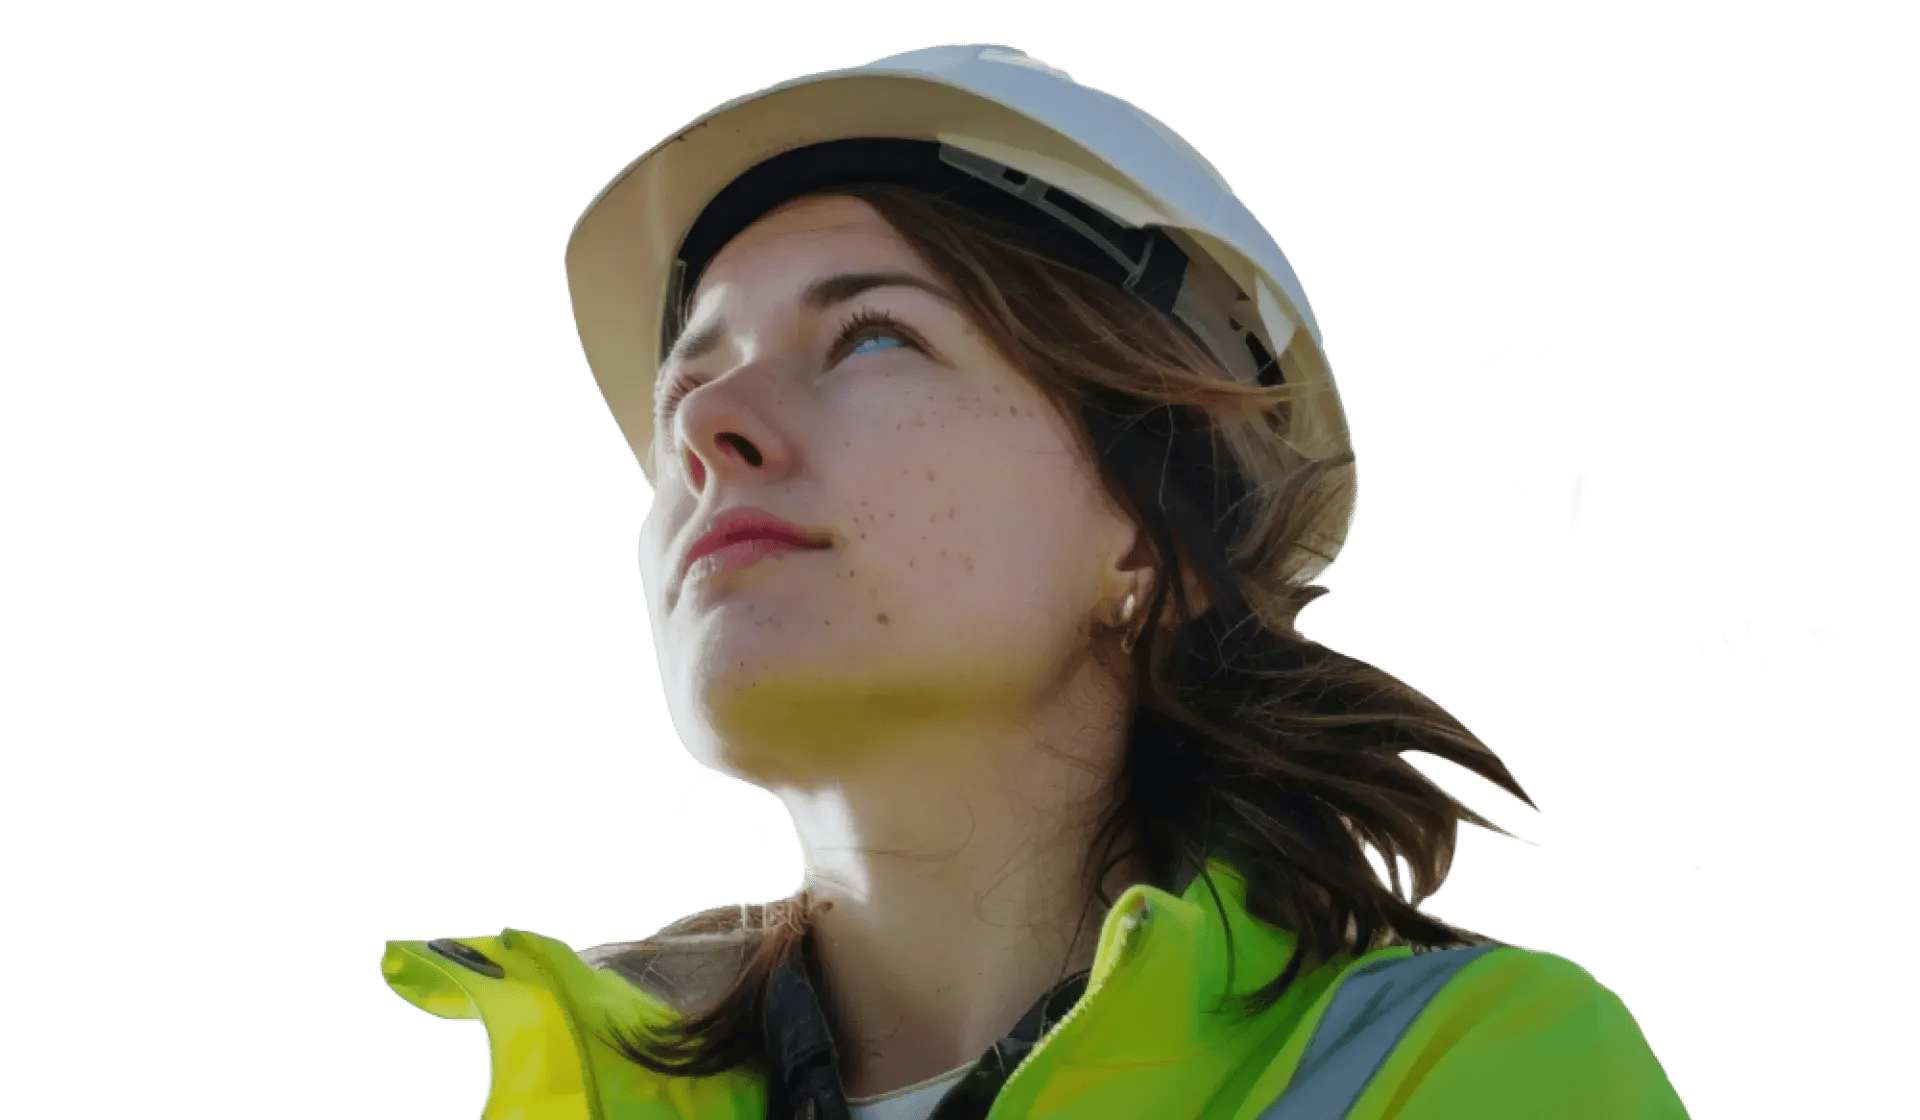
867 318
855 323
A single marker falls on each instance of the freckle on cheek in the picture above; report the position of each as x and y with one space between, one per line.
882 619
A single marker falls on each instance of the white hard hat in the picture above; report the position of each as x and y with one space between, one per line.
1122 194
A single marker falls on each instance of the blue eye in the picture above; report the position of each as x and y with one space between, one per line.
871 331
886 341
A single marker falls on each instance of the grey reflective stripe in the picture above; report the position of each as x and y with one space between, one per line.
1368 1016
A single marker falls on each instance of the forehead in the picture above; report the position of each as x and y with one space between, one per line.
805 239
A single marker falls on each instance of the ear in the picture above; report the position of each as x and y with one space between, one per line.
1136 572
1139 555
1133 571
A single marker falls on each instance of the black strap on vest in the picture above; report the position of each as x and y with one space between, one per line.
803 1081
1368 1016
974 1095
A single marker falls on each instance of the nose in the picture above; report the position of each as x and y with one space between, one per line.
726 425
726 444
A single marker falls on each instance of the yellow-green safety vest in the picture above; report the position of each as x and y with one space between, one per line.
1484 1033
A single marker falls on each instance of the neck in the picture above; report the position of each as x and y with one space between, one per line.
952 872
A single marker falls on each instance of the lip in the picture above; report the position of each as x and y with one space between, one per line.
743 536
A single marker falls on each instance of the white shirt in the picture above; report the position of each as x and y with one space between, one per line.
915 1102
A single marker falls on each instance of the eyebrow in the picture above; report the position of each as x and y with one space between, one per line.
818 296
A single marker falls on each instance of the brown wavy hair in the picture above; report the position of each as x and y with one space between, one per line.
1249 743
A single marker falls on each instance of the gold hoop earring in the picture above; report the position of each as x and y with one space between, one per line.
1126 616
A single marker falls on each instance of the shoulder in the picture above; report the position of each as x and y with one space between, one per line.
1516 1033
1518 993
677 970
1517 965
547 1010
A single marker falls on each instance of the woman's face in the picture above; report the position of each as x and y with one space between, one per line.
964 541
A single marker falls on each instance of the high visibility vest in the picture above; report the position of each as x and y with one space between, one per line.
1486 1033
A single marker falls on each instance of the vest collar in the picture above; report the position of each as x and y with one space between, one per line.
1160 991
1154 1017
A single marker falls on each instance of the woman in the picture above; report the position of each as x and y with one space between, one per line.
993 453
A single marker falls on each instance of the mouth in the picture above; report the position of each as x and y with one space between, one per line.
742 537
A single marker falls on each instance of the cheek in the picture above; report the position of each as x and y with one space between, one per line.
977 521
655 534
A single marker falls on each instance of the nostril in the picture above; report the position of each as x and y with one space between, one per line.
696 470
739 446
